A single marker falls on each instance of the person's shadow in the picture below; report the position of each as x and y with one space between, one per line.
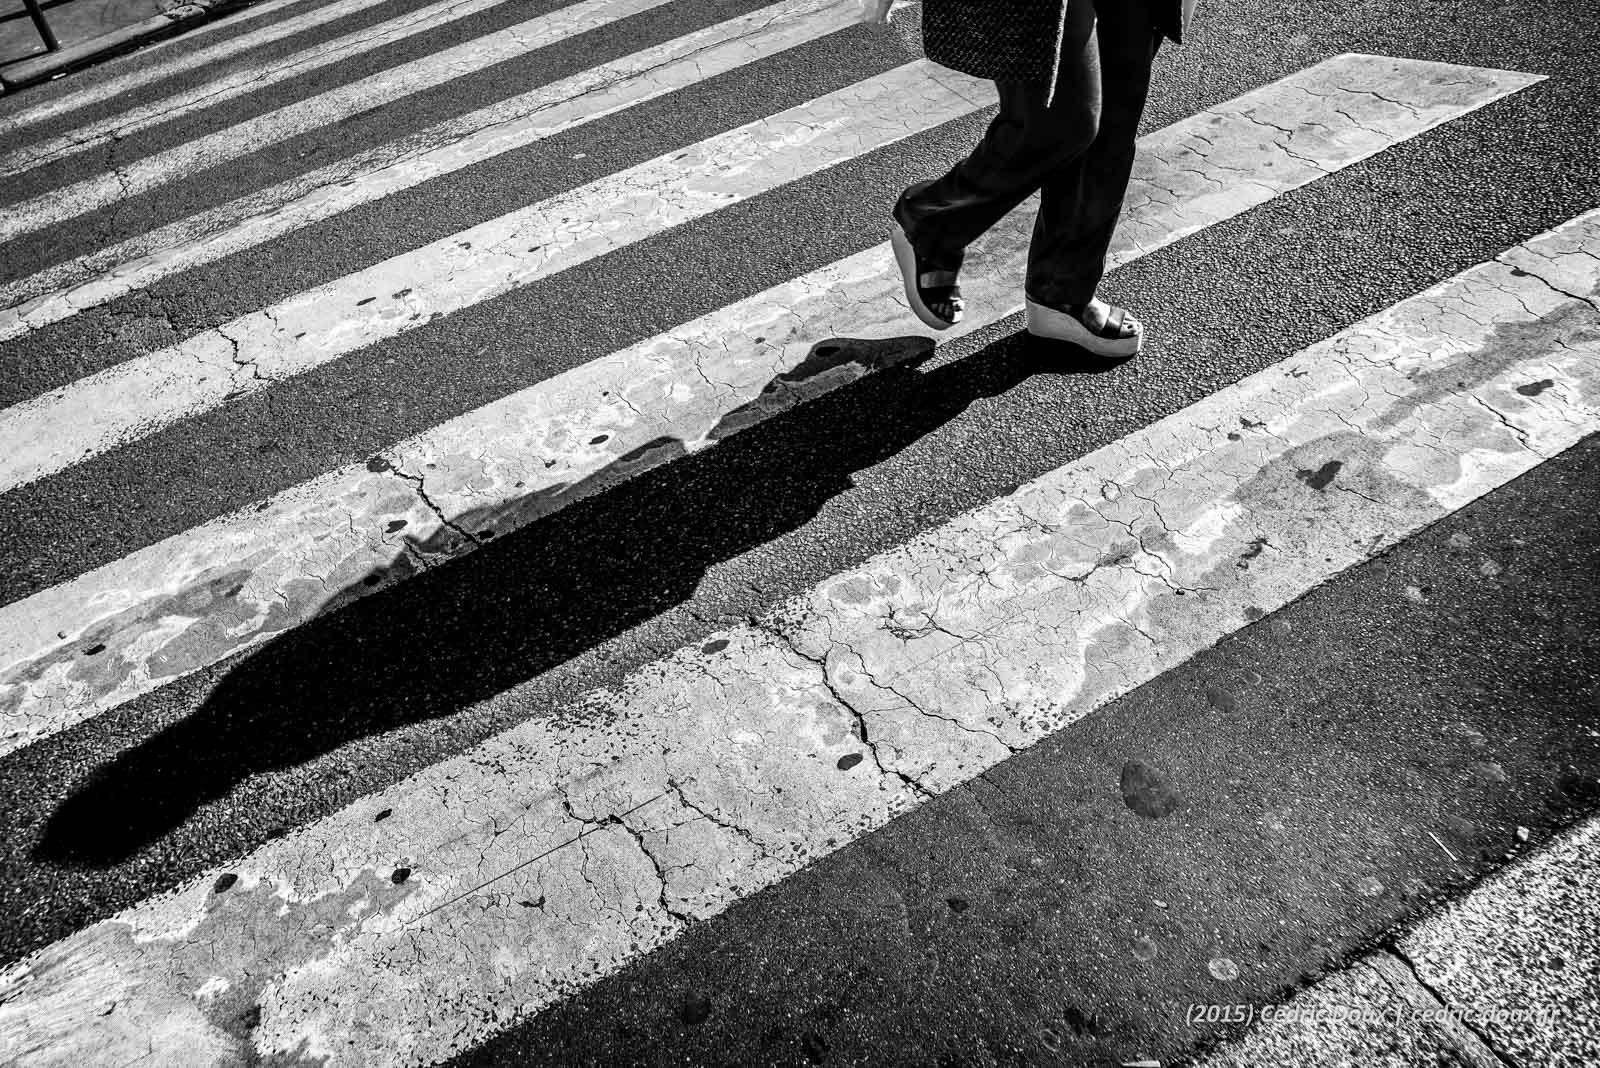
526 602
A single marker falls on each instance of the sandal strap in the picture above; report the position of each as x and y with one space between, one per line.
1113 328
1114 322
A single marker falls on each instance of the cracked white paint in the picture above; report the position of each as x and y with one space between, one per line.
63 290
554 853
291 120
141 396
197 597
122 124
172 57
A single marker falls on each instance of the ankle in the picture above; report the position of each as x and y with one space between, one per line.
1067 307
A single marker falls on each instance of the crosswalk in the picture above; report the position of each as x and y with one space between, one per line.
428 915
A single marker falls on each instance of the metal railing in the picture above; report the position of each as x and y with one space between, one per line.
36 13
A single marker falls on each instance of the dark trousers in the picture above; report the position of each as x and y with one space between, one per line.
1076 151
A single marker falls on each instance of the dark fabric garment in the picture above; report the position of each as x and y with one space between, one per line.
1018 40
1076 150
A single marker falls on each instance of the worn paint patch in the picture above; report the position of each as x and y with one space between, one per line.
193 989
516 460
178 611
713 773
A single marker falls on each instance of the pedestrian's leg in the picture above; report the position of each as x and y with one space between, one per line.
1026 142
1081 201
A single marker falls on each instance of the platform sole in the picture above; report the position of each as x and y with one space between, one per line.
1055 325
906 257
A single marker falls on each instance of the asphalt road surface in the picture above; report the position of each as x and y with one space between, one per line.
491 571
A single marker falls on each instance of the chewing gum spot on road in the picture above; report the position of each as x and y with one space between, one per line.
1322 477
852 591
1223 970
661 448
696 1009
1082 1025
1146 792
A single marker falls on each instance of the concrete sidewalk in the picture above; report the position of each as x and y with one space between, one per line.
92 30
1506 976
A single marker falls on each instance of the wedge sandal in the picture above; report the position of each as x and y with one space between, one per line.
1121 336
914 270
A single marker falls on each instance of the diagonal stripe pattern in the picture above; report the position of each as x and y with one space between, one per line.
729 765
708 378
419 921
395 83
122 124
176 57
445 148
138 398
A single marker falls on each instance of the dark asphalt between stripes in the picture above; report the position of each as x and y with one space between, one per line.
1219 306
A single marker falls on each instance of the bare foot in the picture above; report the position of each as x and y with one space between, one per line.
1097 313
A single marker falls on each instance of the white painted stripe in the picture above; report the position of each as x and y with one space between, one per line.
106 274
324 109
185 59
122 124
143 395
161 612
558 851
